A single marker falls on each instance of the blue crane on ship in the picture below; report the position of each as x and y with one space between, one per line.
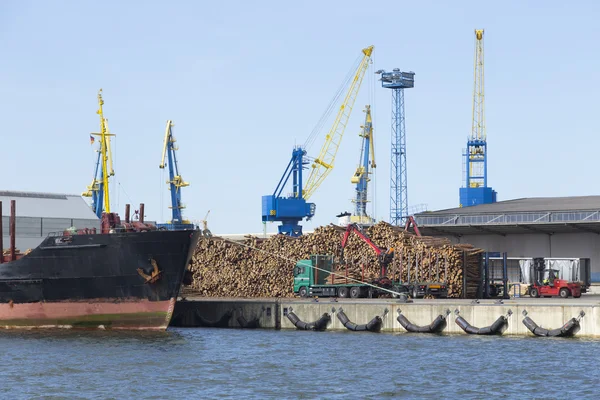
175 183
292 208
98 189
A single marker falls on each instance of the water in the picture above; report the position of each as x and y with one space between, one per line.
262 364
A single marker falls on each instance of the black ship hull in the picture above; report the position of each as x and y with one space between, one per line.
127 280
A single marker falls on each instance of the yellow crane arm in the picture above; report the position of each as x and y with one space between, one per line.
371 139
323 164
167 131
111 172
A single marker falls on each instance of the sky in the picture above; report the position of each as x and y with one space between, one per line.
246 81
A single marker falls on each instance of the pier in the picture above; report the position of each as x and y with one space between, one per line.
548 313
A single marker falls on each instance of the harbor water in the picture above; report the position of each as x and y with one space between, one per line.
266 364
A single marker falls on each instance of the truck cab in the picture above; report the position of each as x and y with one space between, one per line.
303 275
312 273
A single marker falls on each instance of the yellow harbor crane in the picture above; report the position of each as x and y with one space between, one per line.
475 188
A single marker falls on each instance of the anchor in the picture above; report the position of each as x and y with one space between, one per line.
155 274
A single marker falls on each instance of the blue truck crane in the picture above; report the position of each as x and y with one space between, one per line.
293 208
175 183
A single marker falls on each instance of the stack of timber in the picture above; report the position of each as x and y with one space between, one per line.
264 267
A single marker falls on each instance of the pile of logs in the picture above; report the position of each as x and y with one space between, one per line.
264 267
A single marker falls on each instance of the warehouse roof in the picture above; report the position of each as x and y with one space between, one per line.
529 215
526 205
46 205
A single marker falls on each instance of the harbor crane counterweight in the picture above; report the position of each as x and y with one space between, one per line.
175 183
294 208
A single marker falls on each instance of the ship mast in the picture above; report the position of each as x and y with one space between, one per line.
105 152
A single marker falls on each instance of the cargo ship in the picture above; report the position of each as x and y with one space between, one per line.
127 276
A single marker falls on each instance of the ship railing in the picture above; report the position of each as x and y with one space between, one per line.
71 232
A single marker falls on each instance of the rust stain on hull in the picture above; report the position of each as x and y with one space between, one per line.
96 314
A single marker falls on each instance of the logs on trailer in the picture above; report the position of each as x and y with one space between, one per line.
264 267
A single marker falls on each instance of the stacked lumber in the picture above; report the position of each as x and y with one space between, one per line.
264 267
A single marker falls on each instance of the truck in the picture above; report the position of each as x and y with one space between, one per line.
310 277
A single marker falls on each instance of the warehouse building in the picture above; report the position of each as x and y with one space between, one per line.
566 227
38 214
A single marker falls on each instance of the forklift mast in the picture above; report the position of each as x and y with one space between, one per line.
489 283
538 270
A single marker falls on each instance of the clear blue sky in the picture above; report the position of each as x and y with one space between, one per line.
245 81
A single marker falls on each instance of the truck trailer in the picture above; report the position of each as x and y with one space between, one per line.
310 279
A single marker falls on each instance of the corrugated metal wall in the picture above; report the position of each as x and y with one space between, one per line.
528 245
31 231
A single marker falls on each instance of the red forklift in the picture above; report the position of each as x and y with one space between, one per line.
547 283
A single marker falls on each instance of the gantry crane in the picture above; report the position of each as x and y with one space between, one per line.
475 189
398 81
175 182
98 189
292 209
361 176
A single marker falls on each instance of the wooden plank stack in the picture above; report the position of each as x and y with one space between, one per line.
264 267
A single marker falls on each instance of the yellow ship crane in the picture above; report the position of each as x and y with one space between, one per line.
324 163
98 189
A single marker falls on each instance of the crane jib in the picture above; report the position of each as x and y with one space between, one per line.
325 161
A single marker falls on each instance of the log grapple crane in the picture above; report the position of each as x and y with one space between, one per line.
384 256
293 208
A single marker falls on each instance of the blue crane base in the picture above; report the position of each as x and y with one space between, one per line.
290 229
289 211
476 196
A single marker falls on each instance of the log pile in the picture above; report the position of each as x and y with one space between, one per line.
264 267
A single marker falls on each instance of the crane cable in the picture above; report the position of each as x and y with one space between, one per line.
345 83
309 265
